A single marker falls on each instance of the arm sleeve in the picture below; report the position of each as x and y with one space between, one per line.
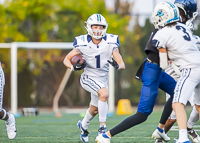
163 60
159 41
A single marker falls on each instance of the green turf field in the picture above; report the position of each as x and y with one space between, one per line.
46 128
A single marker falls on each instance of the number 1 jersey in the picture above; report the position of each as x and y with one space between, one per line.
96 56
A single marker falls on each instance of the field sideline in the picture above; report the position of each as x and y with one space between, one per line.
46 128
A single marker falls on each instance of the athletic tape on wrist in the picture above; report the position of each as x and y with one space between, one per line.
163 60
72 68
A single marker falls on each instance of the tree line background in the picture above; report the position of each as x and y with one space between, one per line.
41 71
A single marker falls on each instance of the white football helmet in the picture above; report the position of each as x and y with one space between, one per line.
96 19
165 13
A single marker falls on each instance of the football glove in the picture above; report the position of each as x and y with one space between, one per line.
114 64
78 66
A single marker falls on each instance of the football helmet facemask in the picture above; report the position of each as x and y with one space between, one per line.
165 13
96 19
189 23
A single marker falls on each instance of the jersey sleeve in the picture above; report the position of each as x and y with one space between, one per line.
198 42
76 46
79 42
113 40
117 44
159 40
75 42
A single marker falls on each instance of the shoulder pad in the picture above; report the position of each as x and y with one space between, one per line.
112 39
80 41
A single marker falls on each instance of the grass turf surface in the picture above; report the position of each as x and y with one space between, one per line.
46 128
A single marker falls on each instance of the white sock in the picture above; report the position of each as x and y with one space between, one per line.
183 136
103 110
86 120
194 117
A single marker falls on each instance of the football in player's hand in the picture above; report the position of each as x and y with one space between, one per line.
76 58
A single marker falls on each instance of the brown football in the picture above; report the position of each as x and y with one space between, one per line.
75 58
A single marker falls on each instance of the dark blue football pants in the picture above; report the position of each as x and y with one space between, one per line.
153 78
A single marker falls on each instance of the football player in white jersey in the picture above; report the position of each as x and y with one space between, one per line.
194 115
175 42
188 13
7 117
97 48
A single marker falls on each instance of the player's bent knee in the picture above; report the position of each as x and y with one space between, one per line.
103 96
177 105
142 117
146 111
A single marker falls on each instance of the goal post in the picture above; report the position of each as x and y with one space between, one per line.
44 45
